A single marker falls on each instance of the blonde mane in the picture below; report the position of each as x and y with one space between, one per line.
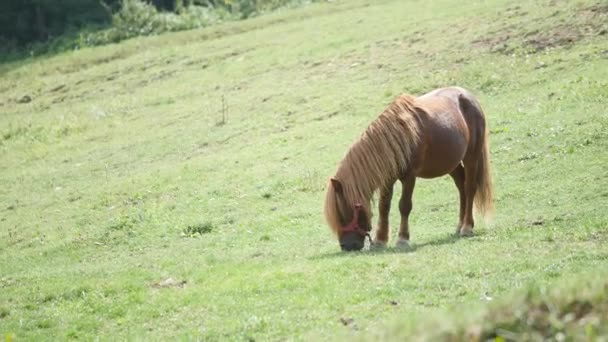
380 155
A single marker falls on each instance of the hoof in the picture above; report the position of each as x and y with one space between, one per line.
466 232
377 245
457 232
403 244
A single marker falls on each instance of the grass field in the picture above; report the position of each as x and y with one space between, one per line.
172 187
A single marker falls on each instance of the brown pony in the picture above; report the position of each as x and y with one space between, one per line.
441 132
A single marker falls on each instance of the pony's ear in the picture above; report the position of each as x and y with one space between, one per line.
337 185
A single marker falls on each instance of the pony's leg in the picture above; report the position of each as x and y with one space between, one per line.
458 177
470 187
384 207
405 208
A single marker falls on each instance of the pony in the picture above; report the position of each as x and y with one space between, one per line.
441 132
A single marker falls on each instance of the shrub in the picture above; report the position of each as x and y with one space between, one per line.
137 18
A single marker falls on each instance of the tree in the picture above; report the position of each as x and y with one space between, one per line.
25 21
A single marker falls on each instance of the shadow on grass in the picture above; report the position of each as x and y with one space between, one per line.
443 240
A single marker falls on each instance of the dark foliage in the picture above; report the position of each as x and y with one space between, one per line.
26 21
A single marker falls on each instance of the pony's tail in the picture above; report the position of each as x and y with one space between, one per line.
484 197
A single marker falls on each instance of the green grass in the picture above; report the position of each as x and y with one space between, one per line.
202 156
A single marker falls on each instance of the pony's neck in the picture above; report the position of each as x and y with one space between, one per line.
383 152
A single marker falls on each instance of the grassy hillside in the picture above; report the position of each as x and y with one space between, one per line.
172 186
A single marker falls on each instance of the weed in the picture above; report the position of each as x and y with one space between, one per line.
4 312
528 156
198 229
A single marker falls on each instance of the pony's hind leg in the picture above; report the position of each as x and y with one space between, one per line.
384 207
470 188
458 177
405 208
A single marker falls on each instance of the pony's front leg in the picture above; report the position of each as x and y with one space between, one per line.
405 207
384 208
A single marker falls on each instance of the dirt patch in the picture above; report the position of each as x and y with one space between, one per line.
564 35
569 28
159 76
325 117
24 99
349 322
599 8
58 88
497 44
170 283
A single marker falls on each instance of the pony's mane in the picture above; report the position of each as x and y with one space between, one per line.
380 155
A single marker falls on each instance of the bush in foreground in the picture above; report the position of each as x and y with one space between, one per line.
576 310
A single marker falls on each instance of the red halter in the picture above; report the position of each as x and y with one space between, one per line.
353 226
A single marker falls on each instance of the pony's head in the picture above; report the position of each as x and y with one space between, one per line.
349 218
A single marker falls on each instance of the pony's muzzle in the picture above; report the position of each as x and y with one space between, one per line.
352 242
